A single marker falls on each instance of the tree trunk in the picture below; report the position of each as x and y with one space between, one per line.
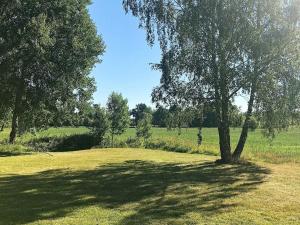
224 131
15 118
224 142
257 56
200 137
221 105
221 96
244 134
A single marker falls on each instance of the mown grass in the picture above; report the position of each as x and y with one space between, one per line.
284 148
134 187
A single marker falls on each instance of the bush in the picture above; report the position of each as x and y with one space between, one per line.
13 150
69 143
134 143
129 143
253 124
100 124
167 146
143 129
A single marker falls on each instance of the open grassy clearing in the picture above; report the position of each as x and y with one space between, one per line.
123 186
284 148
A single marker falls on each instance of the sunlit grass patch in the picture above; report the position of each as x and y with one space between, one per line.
137 186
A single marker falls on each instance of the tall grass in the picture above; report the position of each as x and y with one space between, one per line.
284 148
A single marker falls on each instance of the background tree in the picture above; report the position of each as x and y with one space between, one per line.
74 107
294 102
118 113
218 49
100 124
4 117
175 118
139 112
159 116
47 52
253 124
236 117
144 125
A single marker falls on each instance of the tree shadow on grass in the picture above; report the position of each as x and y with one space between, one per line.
153 191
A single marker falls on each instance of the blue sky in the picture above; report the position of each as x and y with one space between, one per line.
125 67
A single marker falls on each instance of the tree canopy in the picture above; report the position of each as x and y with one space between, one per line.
118 113
139 112
47 49
213 50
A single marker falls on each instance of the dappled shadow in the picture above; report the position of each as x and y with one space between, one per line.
159 191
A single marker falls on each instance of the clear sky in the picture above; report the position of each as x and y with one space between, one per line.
125 67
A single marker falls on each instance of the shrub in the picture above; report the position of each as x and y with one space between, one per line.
143 129
100 125
68 143
167 146
253 124
134 142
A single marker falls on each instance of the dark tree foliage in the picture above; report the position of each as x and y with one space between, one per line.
139 112
160 116
47 49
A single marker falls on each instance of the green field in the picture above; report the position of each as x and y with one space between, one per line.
284 148
137 187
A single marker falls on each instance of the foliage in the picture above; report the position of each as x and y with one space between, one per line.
143 129
5 116
139 112
118 114
72 142
213 50
168 146
160 116
47 49
100 125
176 118
253 124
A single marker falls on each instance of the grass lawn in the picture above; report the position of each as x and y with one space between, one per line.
136 186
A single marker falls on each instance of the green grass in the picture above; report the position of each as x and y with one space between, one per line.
284 148
135 187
